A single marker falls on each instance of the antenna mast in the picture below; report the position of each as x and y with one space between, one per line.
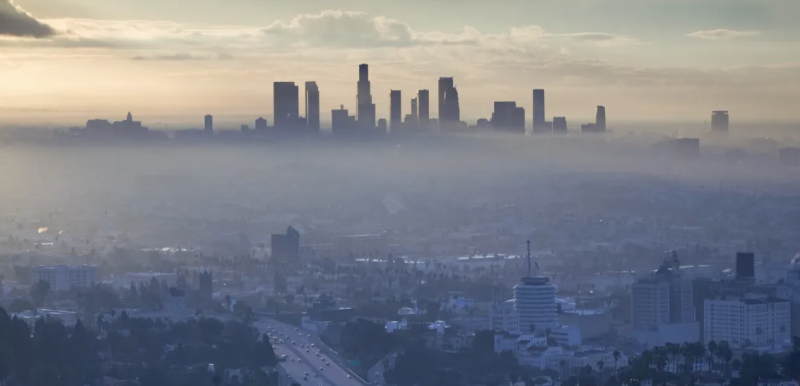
529 258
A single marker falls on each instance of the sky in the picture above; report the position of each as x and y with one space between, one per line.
172 61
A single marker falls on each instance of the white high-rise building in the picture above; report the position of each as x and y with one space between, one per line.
64 277
503 317
748 321
535 304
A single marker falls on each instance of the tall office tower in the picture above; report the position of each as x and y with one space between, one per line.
312 106
600 119
209 123
340 123
662 298
414 113
261 124
503 115
396 110
452 112
382 126
538 111
445 84
365 109
286 104
423 99
745 266
518 120
719 121
559 124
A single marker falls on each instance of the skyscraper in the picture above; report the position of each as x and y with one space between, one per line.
286 104
261 124
396 110
445 84
209 123
538 111
365 109
312 106
414 109
423 99
600 119
452 111
719 121
559 124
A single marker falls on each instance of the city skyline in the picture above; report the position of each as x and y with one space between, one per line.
177 67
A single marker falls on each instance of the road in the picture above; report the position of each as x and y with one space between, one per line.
307 363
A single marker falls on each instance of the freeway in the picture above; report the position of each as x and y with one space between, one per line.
306 363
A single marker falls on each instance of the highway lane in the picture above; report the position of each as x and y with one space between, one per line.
307 363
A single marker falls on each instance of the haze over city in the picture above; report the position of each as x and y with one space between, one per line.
399 193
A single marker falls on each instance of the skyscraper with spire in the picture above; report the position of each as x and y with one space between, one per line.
365 109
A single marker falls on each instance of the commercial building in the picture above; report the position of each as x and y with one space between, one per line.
539 124
342 123
261 124
503 317
423 98
365 109
748 321
65 277
719 121
312 106
286 104
359 246
209 123
286 247
535 304
396 110
559 124
681 147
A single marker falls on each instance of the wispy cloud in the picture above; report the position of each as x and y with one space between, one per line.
722 34
14 21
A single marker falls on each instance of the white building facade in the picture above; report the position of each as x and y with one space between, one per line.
64 277
748 321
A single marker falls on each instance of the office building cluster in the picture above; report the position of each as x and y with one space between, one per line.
668 307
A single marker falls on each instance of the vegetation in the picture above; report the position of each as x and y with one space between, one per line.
157 352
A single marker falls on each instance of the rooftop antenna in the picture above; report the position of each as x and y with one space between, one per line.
529 258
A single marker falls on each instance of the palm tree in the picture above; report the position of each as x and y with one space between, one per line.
616 355
600 366
713 349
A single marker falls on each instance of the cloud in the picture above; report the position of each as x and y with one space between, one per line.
183 57
343 29
721 34
14 21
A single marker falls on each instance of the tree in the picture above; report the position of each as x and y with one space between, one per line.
39 292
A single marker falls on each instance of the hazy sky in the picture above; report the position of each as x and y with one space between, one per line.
175 60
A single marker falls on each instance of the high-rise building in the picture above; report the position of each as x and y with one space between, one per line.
312 106
559 124
286 104
745 266
538 111
719 121
261 124
396 110
664 297
451 109
209 124
342 122
600 119
286 247
414 113
508 117
365 109
445 84
423 98
383 126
